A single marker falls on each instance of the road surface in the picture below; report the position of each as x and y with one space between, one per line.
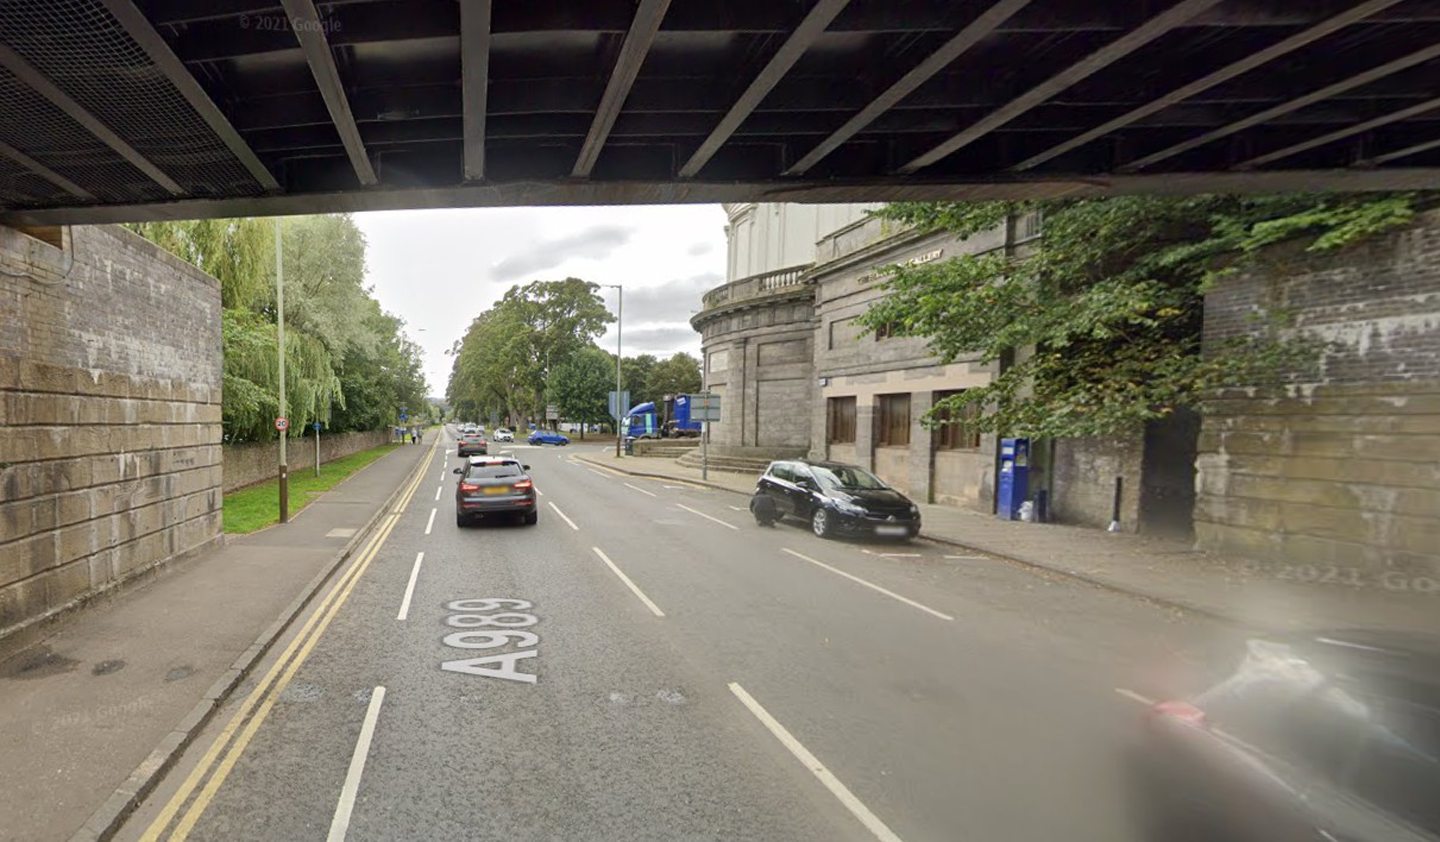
660 667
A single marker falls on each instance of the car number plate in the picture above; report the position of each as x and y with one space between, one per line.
496 489
891 530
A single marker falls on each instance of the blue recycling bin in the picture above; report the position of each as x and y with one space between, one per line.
1014 485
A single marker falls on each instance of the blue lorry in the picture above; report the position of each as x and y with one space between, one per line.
671 419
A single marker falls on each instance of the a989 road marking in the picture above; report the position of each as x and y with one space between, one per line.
500 629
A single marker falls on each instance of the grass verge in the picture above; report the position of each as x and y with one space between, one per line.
257 506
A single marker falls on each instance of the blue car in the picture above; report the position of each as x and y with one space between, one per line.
547 437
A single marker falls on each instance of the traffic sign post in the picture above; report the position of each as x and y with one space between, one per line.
617 408
619 404
316 428
705 407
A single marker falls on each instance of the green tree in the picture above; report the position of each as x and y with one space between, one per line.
580 386
1103 317
635 377
505 358
677 375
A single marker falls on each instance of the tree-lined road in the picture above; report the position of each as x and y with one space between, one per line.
695 676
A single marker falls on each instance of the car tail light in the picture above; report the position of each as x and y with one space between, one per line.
524 484
1183 712
467 487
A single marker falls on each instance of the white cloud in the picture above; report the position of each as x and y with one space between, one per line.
597 241
437 269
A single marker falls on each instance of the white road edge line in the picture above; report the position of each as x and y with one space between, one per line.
597 473
901 555
910 602
410 588
341 823
738 508
1134 697
641 490
431 522
564 517
541 493
654 609
980 557
847 798
437 492
707 517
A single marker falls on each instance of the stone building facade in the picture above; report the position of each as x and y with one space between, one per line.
110 373
783 348
1340 469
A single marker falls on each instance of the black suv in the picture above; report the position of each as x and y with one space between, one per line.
493 485
836 499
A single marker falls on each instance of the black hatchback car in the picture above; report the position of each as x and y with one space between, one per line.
495 486
836 499
1312 737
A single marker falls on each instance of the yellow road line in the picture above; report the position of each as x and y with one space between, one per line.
237 748
157 827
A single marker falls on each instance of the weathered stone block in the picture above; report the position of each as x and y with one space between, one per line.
20 601
26 557
66 583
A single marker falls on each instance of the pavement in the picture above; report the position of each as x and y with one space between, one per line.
106 700
1280 597
648 663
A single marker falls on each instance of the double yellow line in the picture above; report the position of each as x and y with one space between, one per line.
262 698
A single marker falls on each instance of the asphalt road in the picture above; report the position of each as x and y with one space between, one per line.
676 672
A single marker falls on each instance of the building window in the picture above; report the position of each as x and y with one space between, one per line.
840 423
1028 227
893 423
953 436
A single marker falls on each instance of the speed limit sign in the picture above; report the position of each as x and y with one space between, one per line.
282 423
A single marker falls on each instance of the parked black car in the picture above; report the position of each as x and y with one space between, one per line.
1318 736
495 485
836 499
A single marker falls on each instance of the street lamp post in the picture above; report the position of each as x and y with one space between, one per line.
619 329
280 335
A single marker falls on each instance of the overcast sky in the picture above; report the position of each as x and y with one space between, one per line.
438 269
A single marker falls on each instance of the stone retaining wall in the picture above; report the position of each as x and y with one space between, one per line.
110 372
1343 469
247 464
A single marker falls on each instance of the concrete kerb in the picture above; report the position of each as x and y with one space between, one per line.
1090 580
106 820
950 542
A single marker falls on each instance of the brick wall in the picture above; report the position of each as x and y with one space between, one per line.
247 464
1343 468
110 365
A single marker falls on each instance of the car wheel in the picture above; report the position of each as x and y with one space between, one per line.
763 508
532 518
820 522
460 520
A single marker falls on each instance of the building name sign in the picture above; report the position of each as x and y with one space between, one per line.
927 257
